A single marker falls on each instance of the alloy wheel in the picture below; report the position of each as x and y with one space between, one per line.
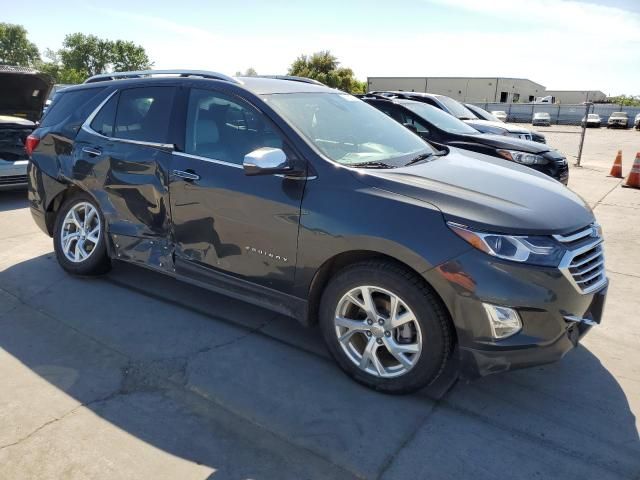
378 331
80 232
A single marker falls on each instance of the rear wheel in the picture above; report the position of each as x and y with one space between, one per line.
79 238
385 327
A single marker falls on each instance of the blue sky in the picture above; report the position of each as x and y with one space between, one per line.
563 44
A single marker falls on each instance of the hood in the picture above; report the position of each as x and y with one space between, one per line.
487 193
505 126
23 92
486 126
7 121
503 142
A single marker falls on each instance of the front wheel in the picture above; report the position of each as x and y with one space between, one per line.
79 237
385 327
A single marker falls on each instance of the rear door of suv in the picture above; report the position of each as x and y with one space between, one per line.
121 155
224 221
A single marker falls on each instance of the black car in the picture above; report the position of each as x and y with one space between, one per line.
23 92
514 130
442 129
307 201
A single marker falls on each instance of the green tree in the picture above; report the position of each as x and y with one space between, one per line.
249 72
127 56
625 100
325 67
82 56
15 47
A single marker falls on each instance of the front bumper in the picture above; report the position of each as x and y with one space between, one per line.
13 174
554 314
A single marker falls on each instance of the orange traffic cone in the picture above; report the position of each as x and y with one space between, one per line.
633 180
616 170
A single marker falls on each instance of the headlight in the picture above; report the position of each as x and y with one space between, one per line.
535 250
522 157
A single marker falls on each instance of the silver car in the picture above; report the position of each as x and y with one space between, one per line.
618 120
23 92
541 118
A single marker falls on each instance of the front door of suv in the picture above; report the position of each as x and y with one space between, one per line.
225 221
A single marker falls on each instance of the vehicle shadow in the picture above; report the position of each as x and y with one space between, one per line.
13 200
217 382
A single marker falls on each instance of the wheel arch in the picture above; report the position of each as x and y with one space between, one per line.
342 260
51 213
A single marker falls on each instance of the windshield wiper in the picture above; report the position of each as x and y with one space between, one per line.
424 156
370 165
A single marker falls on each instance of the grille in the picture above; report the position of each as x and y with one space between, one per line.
583 264
13 179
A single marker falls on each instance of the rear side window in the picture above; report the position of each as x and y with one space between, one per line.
70 105
144 114
104 120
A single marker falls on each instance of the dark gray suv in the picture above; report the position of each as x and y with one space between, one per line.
309 202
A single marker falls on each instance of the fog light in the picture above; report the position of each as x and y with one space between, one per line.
503 321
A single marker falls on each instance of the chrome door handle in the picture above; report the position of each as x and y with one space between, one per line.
94 152
186 175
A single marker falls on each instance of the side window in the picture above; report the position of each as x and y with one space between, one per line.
415 124
144 113
103 121
66 104
386 107
223 128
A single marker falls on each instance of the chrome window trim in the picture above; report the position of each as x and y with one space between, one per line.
210 160
86 126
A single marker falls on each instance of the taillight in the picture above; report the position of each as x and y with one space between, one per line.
31 143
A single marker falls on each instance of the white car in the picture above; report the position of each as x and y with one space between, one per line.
500 115
592 120
541 118
636 122
618 120
23 92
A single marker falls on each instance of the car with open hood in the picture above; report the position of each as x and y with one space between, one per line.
308 201
23 92
444 130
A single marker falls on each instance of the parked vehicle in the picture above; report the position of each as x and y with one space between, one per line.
592 120
514 130
444 130
307 201
618 120
636 122
501 115
452 107
22 94
541 118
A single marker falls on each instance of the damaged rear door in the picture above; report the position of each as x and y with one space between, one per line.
122 157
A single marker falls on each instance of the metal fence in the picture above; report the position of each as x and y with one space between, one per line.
561 114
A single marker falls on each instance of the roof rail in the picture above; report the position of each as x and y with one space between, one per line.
104 77
292 78
375 96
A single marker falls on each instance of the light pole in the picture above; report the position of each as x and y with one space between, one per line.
587 107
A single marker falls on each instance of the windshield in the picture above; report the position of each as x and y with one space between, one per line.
619 114
594 116
456 108
542 115
440 118
346 129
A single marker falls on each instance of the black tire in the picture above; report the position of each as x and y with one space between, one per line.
98 262
435 324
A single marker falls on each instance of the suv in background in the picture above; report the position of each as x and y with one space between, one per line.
307 201
442 129
618 120
23 92
514 131
541 118
636 122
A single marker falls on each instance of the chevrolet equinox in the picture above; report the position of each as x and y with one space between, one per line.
307 201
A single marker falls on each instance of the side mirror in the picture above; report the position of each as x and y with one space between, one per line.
266 161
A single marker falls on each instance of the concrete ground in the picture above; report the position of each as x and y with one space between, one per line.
134 375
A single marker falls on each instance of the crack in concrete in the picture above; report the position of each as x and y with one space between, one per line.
617 184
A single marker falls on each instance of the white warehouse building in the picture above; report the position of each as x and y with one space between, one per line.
484 89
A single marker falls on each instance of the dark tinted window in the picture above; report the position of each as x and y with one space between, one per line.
103 121
66 104
223 128
144 114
